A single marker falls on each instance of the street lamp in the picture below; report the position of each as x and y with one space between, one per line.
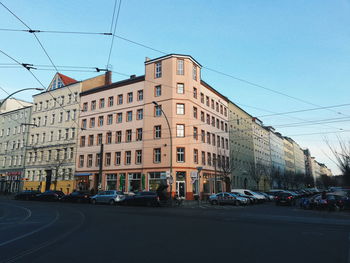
3 101
171 147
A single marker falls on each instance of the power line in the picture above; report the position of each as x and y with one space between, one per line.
115 28
57 32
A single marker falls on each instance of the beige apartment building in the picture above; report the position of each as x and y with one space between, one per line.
299 159
289 155
51 148
241 146
124 124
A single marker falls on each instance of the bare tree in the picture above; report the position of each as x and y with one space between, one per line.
257 172
342 158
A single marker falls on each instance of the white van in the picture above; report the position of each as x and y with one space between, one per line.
260 197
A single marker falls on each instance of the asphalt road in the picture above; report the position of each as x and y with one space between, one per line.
56 232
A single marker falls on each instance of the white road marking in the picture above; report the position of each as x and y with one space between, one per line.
31 232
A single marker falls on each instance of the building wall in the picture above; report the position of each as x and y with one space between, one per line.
12 104
150 170
299 159
289 155
277 158
241 146
13 139
52 142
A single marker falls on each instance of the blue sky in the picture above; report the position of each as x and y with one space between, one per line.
300 48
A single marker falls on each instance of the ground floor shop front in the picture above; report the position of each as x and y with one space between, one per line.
66 186
10 181
185 182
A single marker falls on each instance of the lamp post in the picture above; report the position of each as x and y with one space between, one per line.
3 101
171 147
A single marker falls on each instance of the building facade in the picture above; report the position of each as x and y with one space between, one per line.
13 140
51 151
289 155
277 158
124 124
241 146
299 159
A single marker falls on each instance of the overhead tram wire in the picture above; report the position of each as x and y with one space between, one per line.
115 28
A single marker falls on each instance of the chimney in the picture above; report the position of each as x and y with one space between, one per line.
108 77
132 76
147 59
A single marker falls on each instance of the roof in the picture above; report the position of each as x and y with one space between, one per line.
173 55
114 85
66 80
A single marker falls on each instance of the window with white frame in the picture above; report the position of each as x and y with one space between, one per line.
180 88
158 69
180 108
180 67
180 130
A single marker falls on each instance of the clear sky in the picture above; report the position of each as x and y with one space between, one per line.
297 47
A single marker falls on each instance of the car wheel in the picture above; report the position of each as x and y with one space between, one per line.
93 201
111 202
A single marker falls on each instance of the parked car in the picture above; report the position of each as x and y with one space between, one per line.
77 197
50 195
145 198
250 199
27 195
330 202
260 198
111 197
284 198
309 202
226 198
267 196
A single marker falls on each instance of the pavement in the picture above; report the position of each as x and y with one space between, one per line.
58 232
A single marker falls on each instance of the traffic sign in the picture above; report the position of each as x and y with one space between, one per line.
194 175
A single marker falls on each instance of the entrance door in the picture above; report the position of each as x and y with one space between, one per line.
181 189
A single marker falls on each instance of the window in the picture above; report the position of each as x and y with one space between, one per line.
93 105
209 158
92 122
138 159
67 134
157 157
180 130
81 160
118 136
226 143
221 109
203 135
208 119
85 106
74 114
109 119
117 158
100 121
110 101
213 139
180 154
202 97
194 72
99 139
195 155
91 140
139 114
202 116
212 104
195 133
108 138
139 134
129 116
158 111
207 100
217 106
218 140
222 125
128 157
195 112
158 91
203 158
226 127
180 108
158 69
102 103
128 136
213 121
83 124
157 132
119 117
180 67
194 92
140 95
217 123
208 137
120 99
225 112
73 133
98 160
180 88
130 97
89 160
108 159
61 117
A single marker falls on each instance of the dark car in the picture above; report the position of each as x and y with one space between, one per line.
77 197
50 195
331 202
284 198
144 198
27 195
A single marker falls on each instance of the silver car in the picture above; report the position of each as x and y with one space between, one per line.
227 198
111 197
